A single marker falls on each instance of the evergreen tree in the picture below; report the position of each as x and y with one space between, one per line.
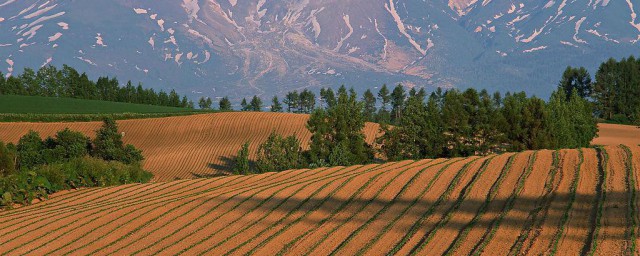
205 103
292 100
456 122
398 97
225 104
275 105
418 135
369 101
241 166
328 97
342 123
577 79
307 101
256 104
244 106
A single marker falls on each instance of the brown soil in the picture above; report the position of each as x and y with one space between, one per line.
616 134
189 146
185 214
580 218
543 242
299 229
525 202
614 222
445 235
497 204
440 211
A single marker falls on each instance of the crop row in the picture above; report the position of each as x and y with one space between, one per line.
493 191
380 212
269 185
263 242
289 245
426 239
105 212
488 236
572 197
632 222
535 219
415 227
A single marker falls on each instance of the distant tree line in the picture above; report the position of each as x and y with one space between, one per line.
49 81
36 167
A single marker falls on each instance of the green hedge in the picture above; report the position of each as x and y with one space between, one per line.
38 183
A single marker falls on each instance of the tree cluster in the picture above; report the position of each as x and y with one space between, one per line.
36 167
454 124
616 91
49 81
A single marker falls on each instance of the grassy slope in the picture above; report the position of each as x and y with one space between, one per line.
46 105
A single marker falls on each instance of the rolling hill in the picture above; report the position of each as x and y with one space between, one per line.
566 202
203 145
188 146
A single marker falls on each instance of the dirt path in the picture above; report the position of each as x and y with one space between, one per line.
612 236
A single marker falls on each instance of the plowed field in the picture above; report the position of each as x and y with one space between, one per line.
188 146
537 202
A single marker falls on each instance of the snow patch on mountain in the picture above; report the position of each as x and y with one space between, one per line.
39 12
139 11
577 30
535 49
55 37
348 22
391 8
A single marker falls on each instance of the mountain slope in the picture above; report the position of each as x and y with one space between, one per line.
240 48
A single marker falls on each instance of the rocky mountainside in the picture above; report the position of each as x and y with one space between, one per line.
245 47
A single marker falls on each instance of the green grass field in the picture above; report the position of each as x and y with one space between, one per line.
48 105
14 108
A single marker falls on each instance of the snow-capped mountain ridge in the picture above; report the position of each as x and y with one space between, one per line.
240 48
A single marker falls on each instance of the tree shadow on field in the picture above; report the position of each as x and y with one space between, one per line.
225 165
522 214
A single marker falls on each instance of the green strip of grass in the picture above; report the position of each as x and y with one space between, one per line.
14 108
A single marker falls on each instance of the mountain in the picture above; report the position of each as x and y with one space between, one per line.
265 47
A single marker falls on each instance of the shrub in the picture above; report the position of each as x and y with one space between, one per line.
108 145
279 154
242 160
7 162
30 150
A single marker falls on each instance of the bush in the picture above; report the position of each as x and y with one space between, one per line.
30 150
7 162
25 186
279 154
108 145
